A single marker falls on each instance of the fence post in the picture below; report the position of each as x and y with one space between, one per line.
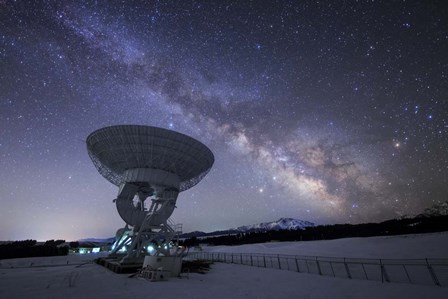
279 264
251 262
432 273
232 258
407 274
241 258
264 261
349 275
318 266
332 270
364 269
297 264
383 273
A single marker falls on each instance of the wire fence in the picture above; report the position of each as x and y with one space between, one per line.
414 271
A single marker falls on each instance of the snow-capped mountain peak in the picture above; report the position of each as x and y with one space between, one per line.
438 209
281 224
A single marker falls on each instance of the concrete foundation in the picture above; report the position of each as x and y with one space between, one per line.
173 264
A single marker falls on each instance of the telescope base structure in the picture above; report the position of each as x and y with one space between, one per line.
151 232
113 265
132 247
170 264
155 250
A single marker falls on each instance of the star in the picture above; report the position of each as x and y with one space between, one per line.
312 110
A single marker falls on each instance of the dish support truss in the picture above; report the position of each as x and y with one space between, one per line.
148 230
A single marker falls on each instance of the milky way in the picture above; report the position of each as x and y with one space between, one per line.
329 112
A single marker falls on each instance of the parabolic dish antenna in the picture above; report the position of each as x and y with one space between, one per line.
116 149
147 162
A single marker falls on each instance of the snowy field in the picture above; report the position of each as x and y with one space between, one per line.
389 247
74 277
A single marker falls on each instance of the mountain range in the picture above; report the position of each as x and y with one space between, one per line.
280 224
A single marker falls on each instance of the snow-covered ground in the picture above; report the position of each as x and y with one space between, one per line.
391 247
59 280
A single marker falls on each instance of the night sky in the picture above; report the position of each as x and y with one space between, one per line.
331 112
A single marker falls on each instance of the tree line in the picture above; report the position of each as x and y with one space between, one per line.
30 248
328 232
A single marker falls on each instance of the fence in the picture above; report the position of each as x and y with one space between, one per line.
414 271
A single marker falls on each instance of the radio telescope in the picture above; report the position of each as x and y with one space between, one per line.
150 166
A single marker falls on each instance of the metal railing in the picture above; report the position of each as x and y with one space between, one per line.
177 227
414 271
